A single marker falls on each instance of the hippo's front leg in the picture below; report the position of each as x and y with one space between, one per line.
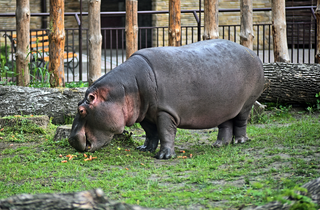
152 138
167 129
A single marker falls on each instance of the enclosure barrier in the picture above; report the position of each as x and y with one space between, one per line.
301 41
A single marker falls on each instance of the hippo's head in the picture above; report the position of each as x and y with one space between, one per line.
100 116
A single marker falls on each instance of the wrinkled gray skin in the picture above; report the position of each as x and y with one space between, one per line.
197 86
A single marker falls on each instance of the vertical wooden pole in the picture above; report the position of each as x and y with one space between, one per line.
279 31
211 19
23 41
95 41
56 45
317 13
174 23
246 33
131 27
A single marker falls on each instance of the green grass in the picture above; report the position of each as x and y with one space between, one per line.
284 154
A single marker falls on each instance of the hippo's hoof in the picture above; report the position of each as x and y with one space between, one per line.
218 143
144 148
241 139
165 153
141 148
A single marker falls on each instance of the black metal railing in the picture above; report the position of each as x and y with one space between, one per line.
301 40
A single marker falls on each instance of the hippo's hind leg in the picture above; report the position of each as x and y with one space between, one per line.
240 126
225 134
152 138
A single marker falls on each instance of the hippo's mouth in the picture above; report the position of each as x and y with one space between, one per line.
88 145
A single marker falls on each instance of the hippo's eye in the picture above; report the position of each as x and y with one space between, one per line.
90 98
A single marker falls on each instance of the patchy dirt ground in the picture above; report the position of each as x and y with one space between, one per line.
284 152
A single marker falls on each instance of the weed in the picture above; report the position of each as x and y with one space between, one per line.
68 119
7 69
79 84
38 69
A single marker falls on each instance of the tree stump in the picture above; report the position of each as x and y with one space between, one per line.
41 121
62 132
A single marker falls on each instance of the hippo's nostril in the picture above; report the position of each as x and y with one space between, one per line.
82 111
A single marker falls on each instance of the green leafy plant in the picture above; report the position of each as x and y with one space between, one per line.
38 69
78 84
7 69
68 119
318 101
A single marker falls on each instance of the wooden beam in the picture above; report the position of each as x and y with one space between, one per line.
279 31
57 42
23 41
174 23
246 33
95 40
211 19
131 27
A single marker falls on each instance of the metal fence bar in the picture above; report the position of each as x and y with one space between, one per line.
269 45
263 43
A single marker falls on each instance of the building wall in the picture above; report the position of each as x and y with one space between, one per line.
9 23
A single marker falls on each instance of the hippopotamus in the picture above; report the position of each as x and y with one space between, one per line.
197 86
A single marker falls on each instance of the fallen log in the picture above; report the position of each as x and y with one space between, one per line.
284 83
93 199
57 103
291 83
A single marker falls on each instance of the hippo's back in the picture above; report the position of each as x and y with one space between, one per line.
209 78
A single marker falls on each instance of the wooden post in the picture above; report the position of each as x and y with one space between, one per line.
211 20
246 33
174 23
95 41
279 31
23 42
56 45
317 13
131 27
